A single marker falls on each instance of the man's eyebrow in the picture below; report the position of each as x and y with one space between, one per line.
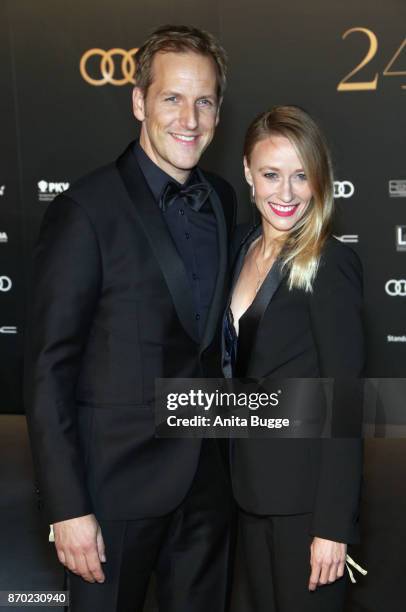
171 92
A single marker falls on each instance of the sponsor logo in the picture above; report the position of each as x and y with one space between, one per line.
401 237
395 287
8 329
107 71
343 189
348 238
48 190
3 237
2 190
397 188
391 338
5 283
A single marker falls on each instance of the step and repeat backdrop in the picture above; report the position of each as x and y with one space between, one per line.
66 74
66 77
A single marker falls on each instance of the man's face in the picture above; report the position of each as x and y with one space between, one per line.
180 111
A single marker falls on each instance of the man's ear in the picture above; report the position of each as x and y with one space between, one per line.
247 172
138 103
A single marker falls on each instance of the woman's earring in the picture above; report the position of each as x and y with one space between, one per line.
252 194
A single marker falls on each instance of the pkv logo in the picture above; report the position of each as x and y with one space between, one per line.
343 189
47 191
396 287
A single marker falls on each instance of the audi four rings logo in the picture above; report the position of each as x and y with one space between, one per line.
396 287
343 189
109 71
5 283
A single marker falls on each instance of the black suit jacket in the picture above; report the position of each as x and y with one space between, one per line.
294 334
112 310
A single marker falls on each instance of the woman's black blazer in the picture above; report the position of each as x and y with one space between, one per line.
297 334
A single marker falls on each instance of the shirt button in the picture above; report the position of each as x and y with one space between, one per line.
187 235
197 317
194 276
181 211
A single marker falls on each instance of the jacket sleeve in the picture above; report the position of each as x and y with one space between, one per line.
336 318
66 283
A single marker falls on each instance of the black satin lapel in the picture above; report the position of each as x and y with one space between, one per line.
219 294
242 251
160 240
235 273
265 294
252 318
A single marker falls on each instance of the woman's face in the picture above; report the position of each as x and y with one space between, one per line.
282 190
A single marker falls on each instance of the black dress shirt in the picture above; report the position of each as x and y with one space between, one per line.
193 232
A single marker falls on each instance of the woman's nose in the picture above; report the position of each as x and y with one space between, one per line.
286 192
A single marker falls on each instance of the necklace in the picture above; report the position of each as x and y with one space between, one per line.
261 275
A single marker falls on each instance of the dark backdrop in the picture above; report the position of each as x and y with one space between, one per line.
55 125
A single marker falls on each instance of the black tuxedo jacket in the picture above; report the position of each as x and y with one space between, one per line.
294 334
112 311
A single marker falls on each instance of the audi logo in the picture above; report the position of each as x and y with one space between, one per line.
107 66
5 283
343 189
396 287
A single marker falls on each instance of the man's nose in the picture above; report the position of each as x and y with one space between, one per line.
189 117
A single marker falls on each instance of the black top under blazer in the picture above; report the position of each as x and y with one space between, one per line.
112 311
304 335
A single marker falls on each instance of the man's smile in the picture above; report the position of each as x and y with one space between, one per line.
185 139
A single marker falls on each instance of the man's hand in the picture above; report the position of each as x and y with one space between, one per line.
327 559
80 547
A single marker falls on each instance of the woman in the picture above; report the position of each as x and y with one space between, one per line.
296 309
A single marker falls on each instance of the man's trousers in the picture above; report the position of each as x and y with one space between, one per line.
188 550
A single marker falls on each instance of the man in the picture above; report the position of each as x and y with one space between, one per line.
130 280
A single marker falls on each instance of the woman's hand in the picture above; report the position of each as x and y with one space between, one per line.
327 560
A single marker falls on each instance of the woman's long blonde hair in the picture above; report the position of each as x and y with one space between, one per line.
302 247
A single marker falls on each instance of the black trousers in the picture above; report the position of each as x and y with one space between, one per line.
273 568
188 550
